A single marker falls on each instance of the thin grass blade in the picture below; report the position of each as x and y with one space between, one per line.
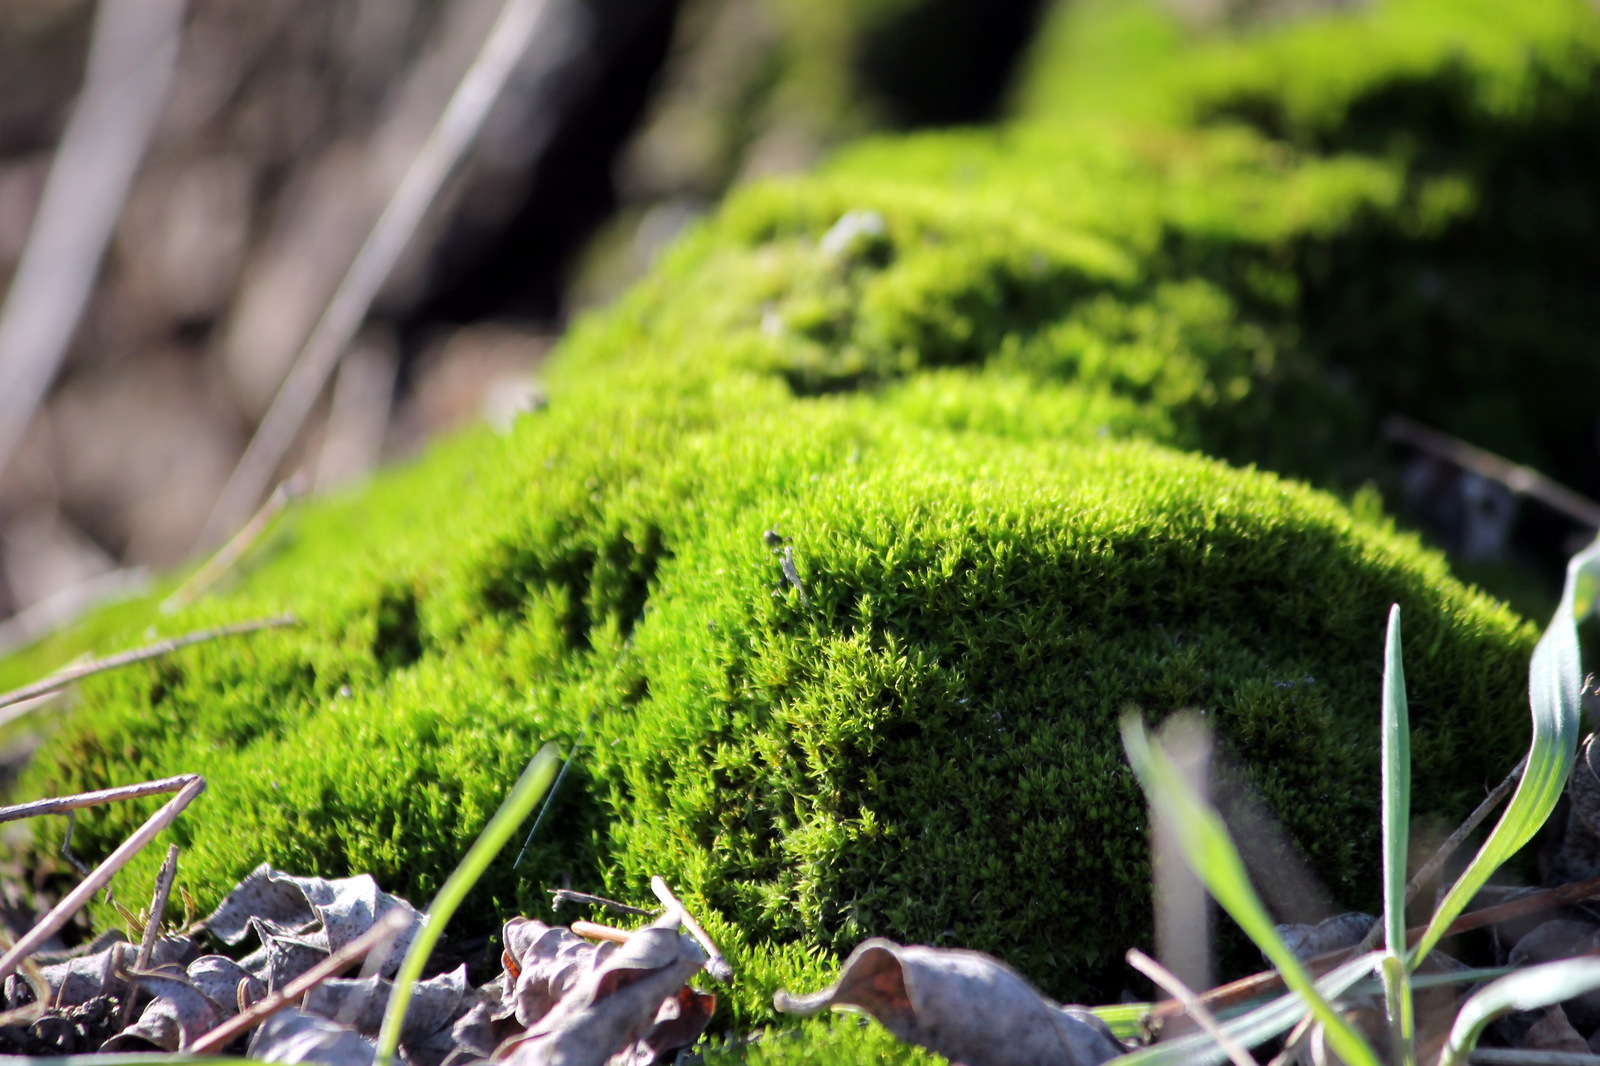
1396 758
1256 1027
1210 851
1555 681
532 785
1527 989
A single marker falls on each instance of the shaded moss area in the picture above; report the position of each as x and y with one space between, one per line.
1475 304
986 387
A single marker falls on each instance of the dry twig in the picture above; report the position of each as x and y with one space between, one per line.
1520 480
716 965
1191 1003
152 927
62 678
74 900
79 800
448 142
385 928
200 582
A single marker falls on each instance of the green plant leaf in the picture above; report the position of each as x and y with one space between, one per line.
535 780
1211 853
1254 1027
1555 681
1396 837
1528 989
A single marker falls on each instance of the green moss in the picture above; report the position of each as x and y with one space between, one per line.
925 749
970 418
1470 303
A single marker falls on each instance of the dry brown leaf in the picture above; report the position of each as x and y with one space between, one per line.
964 1005
314 912
425 1037
615 1004
218 978
178 1015
294 1036
1553 1032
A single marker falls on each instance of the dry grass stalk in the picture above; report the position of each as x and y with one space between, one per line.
200 582
1202 1017
62 678
385 929
73 901
1520 480
595 931
131 59
716 965
447 144
152 927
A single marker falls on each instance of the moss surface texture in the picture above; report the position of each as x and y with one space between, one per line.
989 386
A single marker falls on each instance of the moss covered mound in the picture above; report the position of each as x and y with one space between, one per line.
966 375
924 748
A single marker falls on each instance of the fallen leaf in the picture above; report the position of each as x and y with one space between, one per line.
219 978
964 1005
315 912
1553 1032
178 1015
294 1036
615 1004
426 1035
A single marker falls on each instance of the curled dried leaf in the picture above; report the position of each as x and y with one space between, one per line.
964 1005
294 1036
615 1004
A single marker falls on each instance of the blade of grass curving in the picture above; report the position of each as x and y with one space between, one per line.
1211 853
1396 756
1527 989
1555 681
535 780
1255 1027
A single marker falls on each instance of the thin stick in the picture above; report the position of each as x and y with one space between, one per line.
1191 1003
200 582
716 965
74 900
1519 479
1270 980
131 58
62 678
447 143
61 804
152 926
594 931
385 928
1500 1056
558 896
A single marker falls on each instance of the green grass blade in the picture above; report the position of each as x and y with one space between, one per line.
533 783
1528 989
1396 745
1255 1027
1555 680
1212 855
1396 788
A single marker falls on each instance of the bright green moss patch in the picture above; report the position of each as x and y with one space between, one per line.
924 750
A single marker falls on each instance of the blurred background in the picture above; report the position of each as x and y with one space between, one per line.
260 143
